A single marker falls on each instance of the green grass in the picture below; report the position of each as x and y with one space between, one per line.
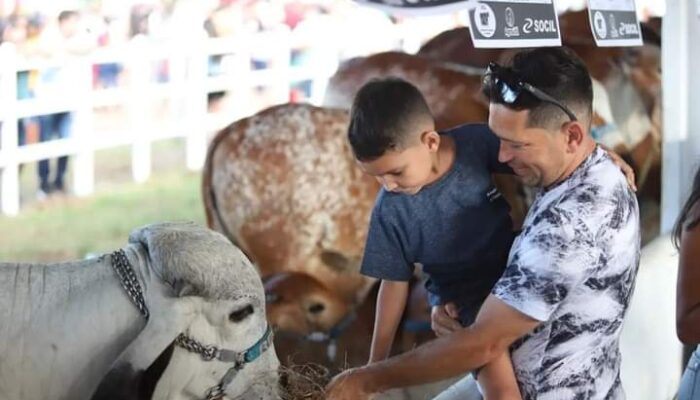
69 228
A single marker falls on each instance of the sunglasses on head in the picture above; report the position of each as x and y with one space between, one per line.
508 90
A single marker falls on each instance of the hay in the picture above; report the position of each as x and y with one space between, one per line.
303 382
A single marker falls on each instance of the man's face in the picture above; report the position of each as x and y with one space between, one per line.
405 171
537 156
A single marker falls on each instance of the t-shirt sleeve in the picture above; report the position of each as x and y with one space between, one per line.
488 145
385 255
547 261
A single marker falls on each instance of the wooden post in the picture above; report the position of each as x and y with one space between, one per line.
681 121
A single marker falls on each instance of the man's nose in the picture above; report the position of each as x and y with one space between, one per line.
504 155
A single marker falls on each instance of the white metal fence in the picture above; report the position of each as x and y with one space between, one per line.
185 90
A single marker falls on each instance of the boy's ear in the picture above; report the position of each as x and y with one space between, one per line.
431 139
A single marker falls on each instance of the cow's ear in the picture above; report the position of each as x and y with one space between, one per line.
339 262
183 288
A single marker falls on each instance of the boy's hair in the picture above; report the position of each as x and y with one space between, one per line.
66 15
558 72
385 115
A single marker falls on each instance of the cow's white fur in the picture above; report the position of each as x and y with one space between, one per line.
62 326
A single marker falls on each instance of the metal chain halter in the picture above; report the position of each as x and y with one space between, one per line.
239 359
127 277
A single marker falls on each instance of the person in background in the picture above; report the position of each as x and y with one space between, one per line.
68 38
686 237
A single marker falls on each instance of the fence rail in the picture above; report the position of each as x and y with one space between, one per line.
188 84
185 90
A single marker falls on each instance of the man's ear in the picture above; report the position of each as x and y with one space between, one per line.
575 133
431 139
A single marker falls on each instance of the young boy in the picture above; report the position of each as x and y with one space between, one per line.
438 207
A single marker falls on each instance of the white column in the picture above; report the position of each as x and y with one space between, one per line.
196 118
83 133
681 102
9 171
140 97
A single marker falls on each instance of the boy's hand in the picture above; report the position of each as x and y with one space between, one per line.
443 319
626 169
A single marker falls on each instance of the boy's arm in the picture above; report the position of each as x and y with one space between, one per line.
391 302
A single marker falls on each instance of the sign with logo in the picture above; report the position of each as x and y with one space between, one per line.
505 24
493 23
614 23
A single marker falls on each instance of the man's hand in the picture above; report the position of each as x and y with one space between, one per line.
444 319
626 169
348 385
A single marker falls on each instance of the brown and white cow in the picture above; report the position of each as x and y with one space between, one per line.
283 185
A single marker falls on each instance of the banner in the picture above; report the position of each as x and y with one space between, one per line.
507 24
493 23
614 23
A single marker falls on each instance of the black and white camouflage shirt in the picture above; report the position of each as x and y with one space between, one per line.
573 267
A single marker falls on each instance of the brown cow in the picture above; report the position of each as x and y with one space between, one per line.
617 68
453 95
314 324
283 185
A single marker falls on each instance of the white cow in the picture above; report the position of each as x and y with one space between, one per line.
65 328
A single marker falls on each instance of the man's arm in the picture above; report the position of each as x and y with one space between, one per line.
391 302
496 327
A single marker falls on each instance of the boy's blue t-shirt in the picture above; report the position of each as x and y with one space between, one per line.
458 228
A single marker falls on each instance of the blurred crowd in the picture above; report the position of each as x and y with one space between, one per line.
335 29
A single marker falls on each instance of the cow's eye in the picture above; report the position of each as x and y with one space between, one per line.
240 315
271 298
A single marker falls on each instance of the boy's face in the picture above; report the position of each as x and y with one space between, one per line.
407 170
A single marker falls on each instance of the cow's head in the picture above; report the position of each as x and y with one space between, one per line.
198 284
299 303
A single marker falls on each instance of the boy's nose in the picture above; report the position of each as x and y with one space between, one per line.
390 186
387 184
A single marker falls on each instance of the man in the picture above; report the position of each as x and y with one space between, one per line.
560 303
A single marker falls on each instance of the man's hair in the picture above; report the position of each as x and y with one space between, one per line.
385 115
557 71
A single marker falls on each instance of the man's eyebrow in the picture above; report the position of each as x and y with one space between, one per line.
508 140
